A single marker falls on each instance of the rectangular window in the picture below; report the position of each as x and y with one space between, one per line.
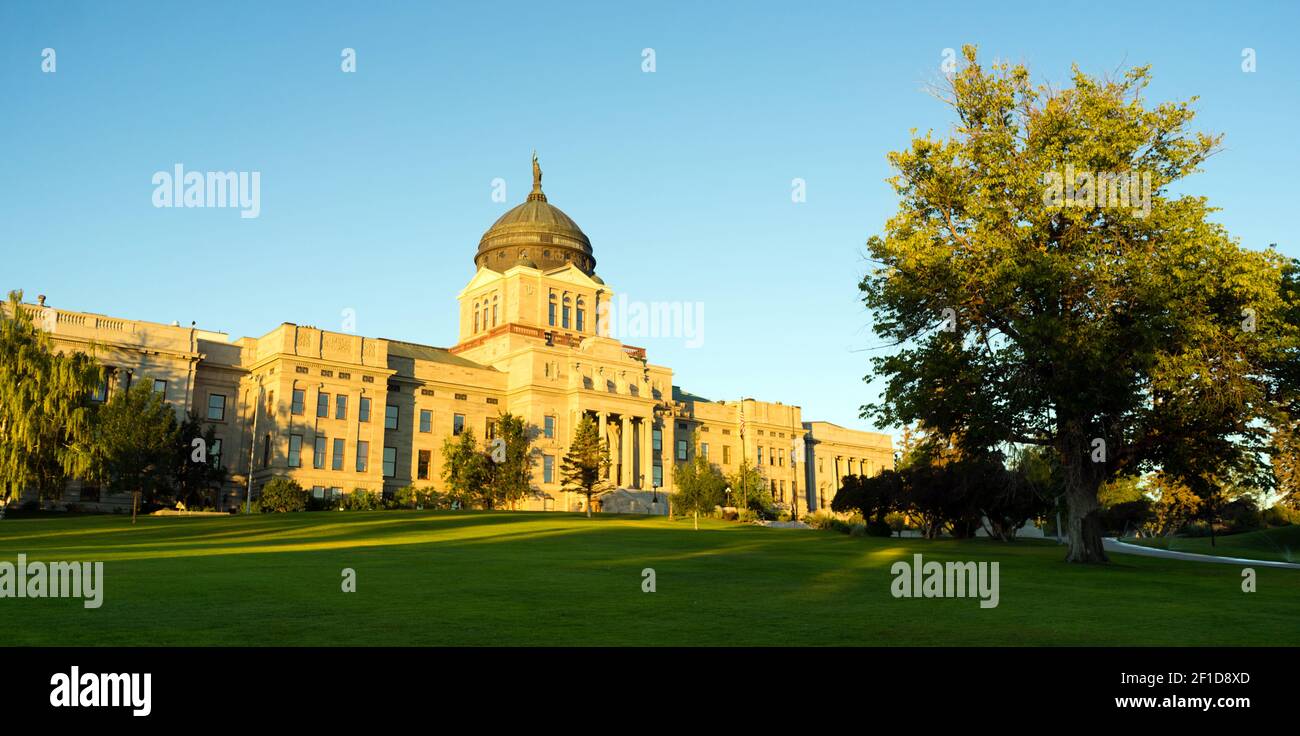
337 463
681 449
99 396
426 420
318 453
299 398
657 440
565 323
422 470
295 450
490 429
363 456
160 386
580 321
457 424
214 453
323 405
760 455
551 315
726 454
704 450
341 406
363 414
658 476
266 450
390 462
390 417
217 407
548 469
548 427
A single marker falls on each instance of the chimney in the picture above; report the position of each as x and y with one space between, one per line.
40 299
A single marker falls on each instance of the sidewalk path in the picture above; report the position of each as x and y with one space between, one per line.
1114 545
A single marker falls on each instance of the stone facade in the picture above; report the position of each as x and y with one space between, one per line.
340 412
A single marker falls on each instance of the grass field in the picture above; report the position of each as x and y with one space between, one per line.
464 578
1281 544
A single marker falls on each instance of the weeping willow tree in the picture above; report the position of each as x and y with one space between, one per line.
45 410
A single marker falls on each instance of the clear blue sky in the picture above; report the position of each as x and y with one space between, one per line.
376 185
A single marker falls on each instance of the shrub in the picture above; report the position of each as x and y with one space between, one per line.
410 497
819 519
858 530
361 500
879 529
282 495
1280 515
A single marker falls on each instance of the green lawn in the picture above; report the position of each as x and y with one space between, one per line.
448 578
1282 544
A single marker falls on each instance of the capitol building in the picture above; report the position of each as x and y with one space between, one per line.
339 412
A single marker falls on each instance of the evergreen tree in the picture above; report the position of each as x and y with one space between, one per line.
583 468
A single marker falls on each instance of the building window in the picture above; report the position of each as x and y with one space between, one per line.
681 449
390 417
160 387
657 476
363 413
704 450
548 427
581 322
99 396
89 494
476 318
550 314
494 312
363 459
266 450
214 453
422 470
299 398
341 406
426 420
217 407
548 469
565 313
490 429
295 450
337 462
657 440
726 454
318 453
390 462
457 424
322 404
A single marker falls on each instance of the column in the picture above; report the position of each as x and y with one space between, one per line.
604 437
647 460
625 449
839 478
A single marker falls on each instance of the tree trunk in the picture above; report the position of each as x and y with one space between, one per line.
1083 521
697 521
588 505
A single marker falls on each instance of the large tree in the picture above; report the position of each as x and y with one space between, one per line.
45 410
698 486
136 443
197 470
510 470
585 465
465 469
1038 294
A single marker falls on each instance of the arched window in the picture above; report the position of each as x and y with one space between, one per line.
581 323
551 310
565 321
494 311
476 316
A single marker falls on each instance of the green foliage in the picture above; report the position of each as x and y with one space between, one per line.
282 495
584 466
361 499
750 490
464 468
510 481
136 442
198 476
45 412
699 485
410 497
1021 318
